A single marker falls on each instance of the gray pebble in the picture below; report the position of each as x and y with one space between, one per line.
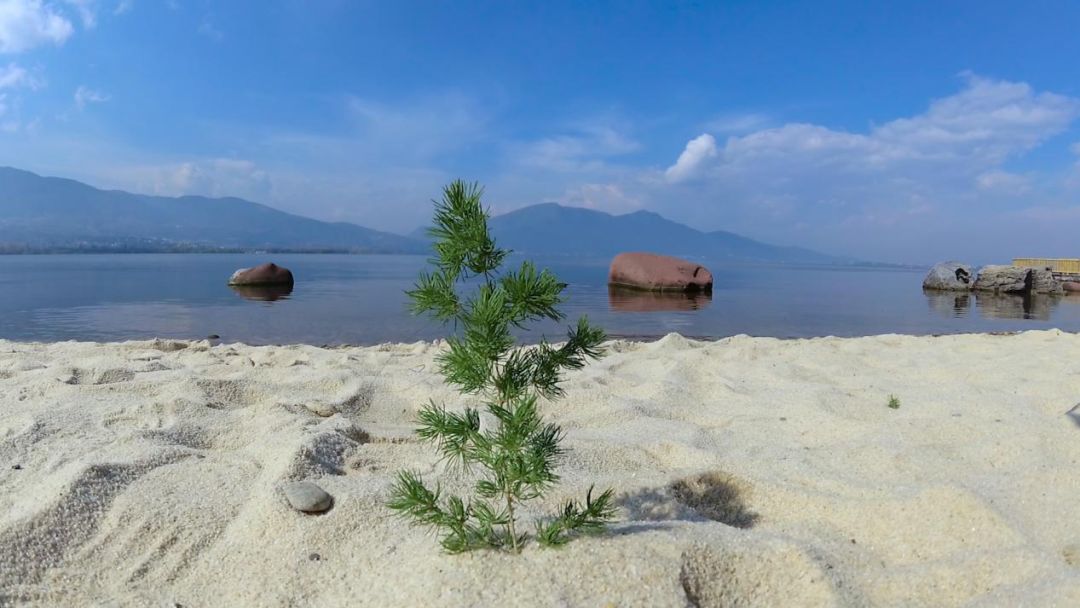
324 410
315 557
307 497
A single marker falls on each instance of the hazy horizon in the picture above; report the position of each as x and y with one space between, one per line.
902 134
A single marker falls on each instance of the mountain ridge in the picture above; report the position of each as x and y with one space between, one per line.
547 227
50 212
56 214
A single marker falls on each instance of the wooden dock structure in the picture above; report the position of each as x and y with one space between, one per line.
1064 269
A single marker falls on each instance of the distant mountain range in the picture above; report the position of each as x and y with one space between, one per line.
48 214
549 229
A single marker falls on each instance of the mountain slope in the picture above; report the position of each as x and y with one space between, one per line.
550 229
46 212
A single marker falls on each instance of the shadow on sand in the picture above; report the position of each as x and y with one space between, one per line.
714 495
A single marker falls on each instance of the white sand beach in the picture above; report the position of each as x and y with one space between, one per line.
750 471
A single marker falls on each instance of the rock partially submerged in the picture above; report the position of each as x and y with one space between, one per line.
1043 281
1017 279
653 272
264 274
949 276
1003 279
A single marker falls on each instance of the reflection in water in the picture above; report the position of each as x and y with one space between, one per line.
948 303
633 300
993 306
1016 306
263 293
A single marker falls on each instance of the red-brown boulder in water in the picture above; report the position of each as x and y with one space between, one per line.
653 272
264 274
1071 287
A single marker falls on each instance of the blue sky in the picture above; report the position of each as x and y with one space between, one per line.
892 131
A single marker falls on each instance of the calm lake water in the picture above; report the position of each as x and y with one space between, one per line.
360 300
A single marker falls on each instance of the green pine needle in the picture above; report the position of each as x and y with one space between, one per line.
518 456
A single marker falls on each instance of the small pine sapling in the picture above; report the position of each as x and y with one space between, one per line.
894 402
517 457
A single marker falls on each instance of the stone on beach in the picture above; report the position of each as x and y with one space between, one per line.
654 272
949 276
263 274
307 497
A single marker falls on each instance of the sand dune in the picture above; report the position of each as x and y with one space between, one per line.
750 471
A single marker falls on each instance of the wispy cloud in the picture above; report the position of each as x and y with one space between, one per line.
417 129
737 124
85 96
586 149
87 11
26 24
13 76
215 177
211 31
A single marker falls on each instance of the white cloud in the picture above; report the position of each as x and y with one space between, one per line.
698 151
1003 182
880 190
605 197
123 6
85 96
14 76
26 24
587 149
215 177
87 11
980 127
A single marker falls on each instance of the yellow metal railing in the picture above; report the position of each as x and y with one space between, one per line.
1069 265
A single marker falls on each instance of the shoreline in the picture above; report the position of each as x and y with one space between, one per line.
631 338
754 470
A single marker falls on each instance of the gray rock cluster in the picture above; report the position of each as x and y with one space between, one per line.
956 276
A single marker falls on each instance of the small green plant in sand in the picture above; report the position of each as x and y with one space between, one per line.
518 453
894 402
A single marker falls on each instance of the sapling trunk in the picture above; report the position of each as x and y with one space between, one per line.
519 454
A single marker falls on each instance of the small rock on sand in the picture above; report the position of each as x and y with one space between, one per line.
307 497
319 408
